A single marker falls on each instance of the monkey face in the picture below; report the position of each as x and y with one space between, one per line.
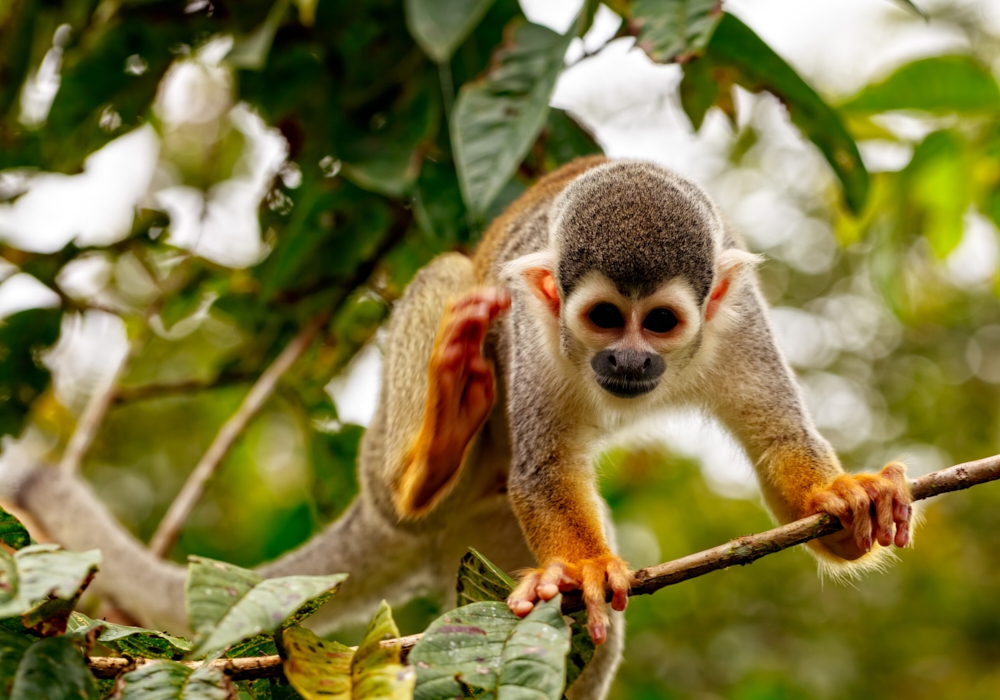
631 345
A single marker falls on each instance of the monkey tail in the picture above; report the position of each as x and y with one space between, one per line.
383 560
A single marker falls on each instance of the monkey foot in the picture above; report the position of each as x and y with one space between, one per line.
462 387
589 575
460 394
870 507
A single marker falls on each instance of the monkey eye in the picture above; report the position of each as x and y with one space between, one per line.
606 316
660 321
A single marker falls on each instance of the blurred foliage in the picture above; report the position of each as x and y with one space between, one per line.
408 126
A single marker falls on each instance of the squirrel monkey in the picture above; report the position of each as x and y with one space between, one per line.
609 289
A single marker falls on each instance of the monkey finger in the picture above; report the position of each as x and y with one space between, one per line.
555 579
501 305
831 503
860 504
477 400
479 364
900 510
476 296
522 599
593 598
620 582
902 538
881 492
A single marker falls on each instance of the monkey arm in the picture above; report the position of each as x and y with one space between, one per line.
553 492
755 395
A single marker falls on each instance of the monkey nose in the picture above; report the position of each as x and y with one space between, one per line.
628 364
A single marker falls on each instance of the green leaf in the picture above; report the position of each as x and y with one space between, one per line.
566 139
321 669
23 377
439 26
227 604
17 29
315 667
939 190
675 30
486 647
386 158
939 85
699 90
438 208
41 583
581 648
250 52
377 671
534 658
52 669
12 648
480 580
462 648
328 235
497 117
169 680
211 590
736 55
12 532
134 641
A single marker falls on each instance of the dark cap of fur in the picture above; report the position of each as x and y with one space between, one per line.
640 225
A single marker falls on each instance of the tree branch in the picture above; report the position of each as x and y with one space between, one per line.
249 668
742 551
156 390
748 549
258 395
89 423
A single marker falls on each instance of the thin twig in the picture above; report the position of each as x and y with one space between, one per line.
96 409
90 422
258 395
742 551
156 390
248 668
748 549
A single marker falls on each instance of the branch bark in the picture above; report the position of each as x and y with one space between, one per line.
245 669
741 551
258 395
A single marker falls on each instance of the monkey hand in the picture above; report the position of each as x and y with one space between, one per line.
869 506
589 575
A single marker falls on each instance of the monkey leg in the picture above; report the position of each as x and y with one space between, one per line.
458 388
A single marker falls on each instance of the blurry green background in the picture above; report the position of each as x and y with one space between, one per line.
256 163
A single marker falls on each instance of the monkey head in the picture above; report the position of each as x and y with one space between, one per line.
638 276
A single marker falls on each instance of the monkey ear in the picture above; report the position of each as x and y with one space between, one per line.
731 265
536 271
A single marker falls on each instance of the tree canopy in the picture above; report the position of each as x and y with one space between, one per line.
190 190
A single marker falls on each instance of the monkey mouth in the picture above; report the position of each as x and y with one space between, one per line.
626 388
